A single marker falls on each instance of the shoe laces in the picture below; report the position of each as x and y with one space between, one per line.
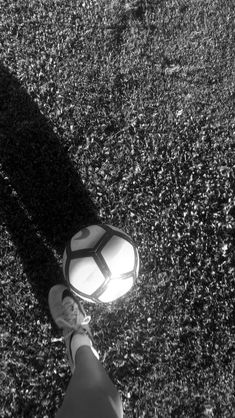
72 316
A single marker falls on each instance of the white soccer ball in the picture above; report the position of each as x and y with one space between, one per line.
100 263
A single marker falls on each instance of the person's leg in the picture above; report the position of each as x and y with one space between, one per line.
90 393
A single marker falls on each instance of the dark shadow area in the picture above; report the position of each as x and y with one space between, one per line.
43 200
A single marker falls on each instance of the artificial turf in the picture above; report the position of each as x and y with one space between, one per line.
122 113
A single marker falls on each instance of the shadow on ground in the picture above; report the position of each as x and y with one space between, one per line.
43 199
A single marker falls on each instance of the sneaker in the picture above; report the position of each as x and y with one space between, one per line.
70 316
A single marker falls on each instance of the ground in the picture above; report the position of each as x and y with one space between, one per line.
122 113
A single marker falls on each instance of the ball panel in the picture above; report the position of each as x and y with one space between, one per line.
137 262
64 261
119 255
87 237
115 289
85 275
81 295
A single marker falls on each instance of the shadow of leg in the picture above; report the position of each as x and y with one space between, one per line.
43 199
39 262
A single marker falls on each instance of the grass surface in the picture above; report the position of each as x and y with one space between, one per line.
120 112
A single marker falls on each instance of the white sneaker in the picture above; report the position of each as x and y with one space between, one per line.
70 316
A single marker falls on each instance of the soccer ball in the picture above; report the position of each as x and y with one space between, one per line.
100 263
